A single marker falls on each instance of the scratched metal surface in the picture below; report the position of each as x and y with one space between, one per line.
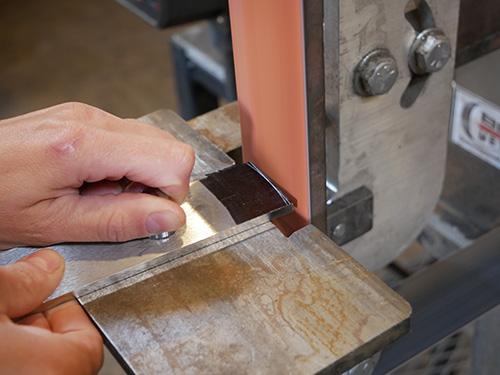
262 305
221 126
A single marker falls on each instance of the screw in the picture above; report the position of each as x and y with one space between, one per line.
220 19
339 230
430 51
376 73
163 236
363 368
368 367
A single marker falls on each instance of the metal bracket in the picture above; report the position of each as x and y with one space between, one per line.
350 216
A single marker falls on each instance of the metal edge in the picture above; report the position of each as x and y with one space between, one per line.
332 97
221 239
281 194
313 18
374 346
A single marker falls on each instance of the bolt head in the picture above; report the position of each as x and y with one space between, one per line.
163 236
363 368
220 19
381 78
376 73
430 52
339 230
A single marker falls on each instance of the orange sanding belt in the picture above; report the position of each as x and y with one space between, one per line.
269 64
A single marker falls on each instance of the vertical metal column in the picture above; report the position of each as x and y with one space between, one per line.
279 77
313 20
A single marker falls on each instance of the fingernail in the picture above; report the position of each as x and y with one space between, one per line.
164 221
48 260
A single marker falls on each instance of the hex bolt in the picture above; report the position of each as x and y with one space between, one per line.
376 73
363 368
429 52
339 230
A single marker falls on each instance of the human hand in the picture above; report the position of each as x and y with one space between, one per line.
48 155
61 340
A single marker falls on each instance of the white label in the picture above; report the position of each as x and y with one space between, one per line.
475 126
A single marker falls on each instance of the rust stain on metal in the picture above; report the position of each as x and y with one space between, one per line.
261 305
221 126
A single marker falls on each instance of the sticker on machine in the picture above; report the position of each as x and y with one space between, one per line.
475 126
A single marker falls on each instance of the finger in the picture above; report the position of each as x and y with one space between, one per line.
36 320
98 155
71 320
68 317
74 347
25 284
114 218
81 143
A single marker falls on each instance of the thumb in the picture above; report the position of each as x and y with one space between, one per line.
25 284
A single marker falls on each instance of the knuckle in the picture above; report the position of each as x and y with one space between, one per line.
83 358
186 157
113 228
94 346
190 156
79 109
67 140
89 353
80 115
60 131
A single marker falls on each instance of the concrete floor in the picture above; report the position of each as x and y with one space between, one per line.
91 51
